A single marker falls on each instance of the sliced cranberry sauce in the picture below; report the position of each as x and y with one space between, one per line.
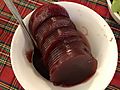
63 55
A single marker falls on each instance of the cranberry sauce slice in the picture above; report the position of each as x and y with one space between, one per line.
49 26
71 65
54 39
68 49
43 13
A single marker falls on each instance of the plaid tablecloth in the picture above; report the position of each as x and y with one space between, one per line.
8 25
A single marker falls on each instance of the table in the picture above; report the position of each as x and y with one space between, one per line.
8 25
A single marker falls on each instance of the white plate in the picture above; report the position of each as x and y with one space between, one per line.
115 15
101 40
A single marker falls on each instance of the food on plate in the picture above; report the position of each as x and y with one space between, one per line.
65 54
116 6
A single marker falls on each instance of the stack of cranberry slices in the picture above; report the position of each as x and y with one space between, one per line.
65 51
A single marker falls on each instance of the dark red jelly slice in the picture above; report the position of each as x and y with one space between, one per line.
69 50
50 25
73 71
58 32
70 64
32 19
56 37
45 12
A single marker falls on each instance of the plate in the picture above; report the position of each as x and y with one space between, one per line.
115 15
101 40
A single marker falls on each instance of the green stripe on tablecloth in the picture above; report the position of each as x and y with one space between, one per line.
8 28
7 86
23 3
2 63
5 47
5 43
4 13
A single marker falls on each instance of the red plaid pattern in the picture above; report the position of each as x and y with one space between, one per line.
8 26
